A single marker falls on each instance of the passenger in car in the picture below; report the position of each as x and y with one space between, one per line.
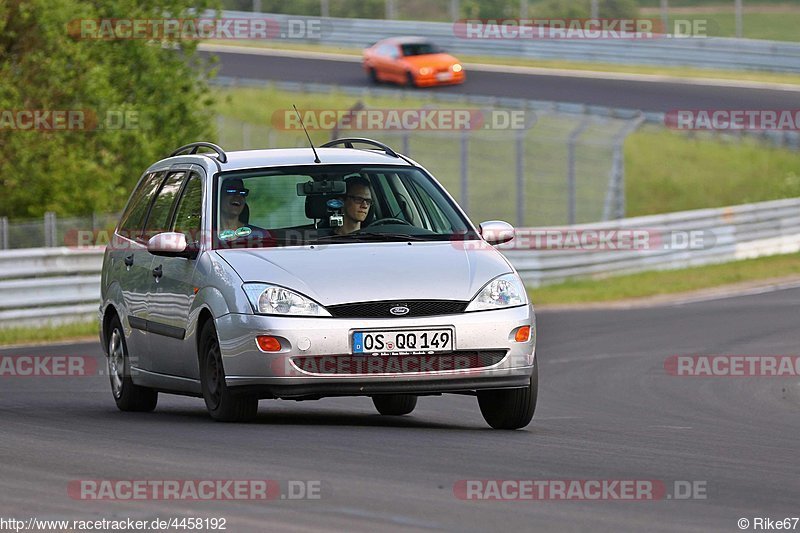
357 203
233 209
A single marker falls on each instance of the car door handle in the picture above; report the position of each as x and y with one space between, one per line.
158 272
129 260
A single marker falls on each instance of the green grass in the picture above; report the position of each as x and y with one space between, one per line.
670 171
31 335
666 282
677 72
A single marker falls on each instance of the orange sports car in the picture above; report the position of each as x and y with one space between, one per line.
411 61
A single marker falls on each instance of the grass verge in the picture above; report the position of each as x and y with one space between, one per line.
669 171
35 335
655 283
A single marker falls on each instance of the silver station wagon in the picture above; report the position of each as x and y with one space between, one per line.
304 273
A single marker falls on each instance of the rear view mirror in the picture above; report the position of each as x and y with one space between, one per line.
321 187
496 231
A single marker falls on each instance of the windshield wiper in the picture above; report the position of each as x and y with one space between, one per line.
395 236
371 236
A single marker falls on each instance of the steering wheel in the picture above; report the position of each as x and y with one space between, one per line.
390 220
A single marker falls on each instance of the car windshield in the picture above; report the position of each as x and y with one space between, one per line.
420 49
333 204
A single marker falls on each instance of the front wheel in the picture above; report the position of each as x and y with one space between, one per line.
395 404
128 397
410 81
222 404
510 408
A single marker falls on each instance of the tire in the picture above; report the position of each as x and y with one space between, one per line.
395 404
373 76
510 408
223 405
128 397
410 82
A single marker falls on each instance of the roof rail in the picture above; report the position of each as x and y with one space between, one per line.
193 147
348 143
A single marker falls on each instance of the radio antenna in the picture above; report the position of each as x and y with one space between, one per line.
316 157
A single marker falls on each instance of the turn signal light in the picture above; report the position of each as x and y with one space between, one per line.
268 344
523 334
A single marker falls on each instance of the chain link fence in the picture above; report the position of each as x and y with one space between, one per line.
561 169
51 231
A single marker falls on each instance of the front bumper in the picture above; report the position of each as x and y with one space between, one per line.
278 374
431 80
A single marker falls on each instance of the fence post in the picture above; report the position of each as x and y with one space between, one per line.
4 233
256 6
465 172
50 235
614 204
220 127
571 185
246 136
520 179
324 8
406 144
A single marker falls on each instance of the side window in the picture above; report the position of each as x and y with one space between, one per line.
158 219
130 225
189 214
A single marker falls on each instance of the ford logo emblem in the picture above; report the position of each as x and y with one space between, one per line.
399 310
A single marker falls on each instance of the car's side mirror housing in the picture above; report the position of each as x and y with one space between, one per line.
171 244
496 231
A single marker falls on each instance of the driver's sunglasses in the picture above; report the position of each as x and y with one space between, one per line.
360 200
242 192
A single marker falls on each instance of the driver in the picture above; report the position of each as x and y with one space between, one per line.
357 202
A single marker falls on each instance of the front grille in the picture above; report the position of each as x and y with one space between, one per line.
398 364
382 309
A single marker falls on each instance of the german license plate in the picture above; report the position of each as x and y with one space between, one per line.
443 76
405 341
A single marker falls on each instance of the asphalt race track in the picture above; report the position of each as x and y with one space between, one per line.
647 96
607 410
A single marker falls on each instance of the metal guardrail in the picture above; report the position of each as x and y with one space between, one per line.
699 52
41 286
63 284
730 233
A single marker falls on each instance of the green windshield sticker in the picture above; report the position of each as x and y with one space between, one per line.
243 231
227 234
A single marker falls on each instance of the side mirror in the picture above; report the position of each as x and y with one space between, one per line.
496 231
170 244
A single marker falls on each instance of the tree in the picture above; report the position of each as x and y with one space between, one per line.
45 66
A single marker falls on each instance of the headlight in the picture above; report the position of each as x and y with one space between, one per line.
502 291
424 71
457 68
273 300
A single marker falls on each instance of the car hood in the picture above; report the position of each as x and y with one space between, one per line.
431 60
345 273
